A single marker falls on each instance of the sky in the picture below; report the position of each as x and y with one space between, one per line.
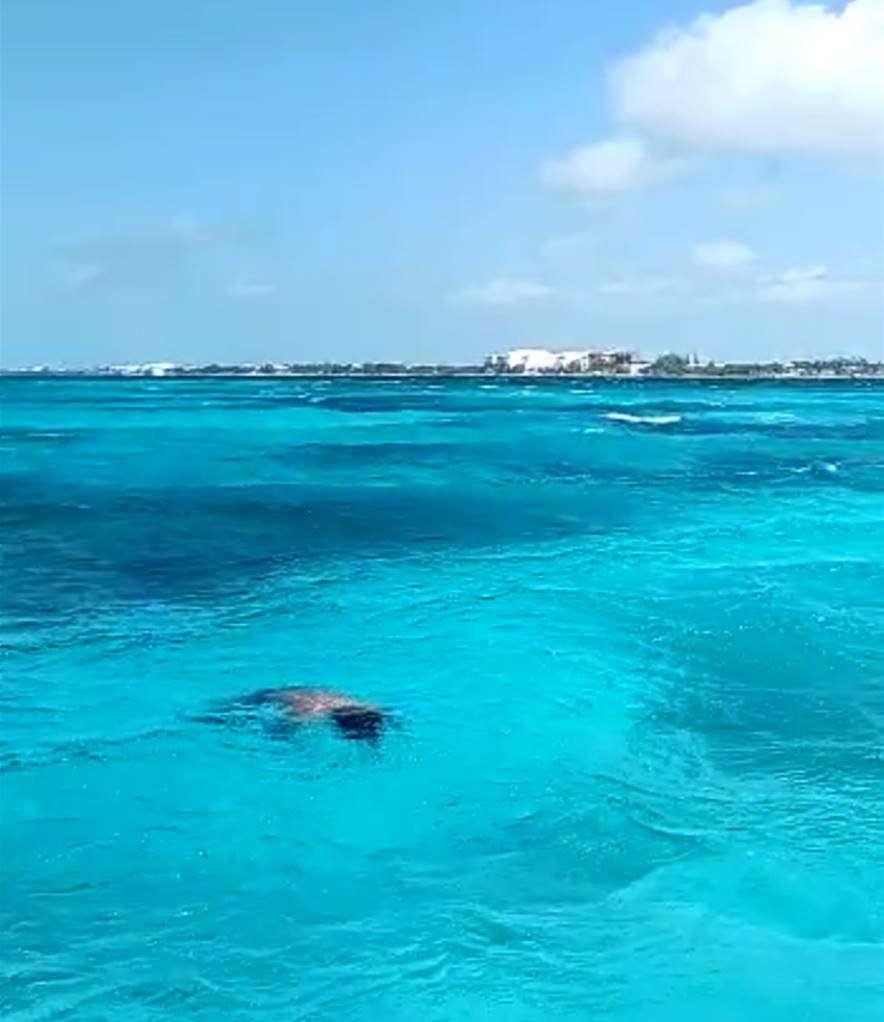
302 180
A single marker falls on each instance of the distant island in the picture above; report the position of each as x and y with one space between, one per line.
517 362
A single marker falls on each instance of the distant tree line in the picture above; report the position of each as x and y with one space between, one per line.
671 364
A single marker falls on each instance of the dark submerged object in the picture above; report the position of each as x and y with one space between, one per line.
354 720
360 723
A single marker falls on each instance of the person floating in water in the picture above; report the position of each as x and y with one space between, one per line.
353 719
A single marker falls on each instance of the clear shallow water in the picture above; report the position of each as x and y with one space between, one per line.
634 630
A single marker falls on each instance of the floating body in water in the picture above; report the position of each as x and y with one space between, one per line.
353 718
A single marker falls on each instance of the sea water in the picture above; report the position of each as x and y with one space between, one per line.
632 634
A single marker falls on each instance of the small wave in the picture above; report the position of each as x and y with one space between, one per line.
644 420
817 468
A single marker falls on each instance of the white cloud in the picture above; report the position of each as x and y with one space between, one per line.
812 285
797 286
245 289
623 163
723 256
503 291
643 287
769 77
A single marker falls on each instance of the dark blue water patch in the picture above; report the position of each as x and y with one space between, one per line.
365 455
641 399
647 404
648 407
100 546
773 689
748 469
367 402
758 466
622 459
869 429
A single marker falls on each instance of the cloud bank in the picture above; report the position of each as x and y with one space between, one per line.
723 256
768 77
623 163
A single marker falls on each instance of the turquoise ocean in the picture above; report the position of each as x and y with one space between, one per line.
633 636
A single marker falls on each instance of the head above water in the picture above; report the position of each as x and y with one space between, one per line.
359 723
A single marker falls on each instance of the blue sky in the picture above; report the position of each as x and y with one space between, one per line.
282 179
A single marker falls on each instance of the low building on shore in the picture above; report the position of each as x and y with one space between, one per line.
543 361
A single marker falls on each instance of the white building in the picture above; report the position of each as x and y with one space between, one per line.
541 360
144 369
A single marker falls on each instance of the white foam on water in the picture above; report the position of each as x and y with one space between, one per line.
645 420
817 466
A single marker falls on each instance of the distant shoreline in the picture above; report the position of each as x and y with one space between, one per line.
69 375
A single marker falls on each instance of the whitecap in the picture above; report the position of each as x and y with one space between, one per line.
644 420
817 466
